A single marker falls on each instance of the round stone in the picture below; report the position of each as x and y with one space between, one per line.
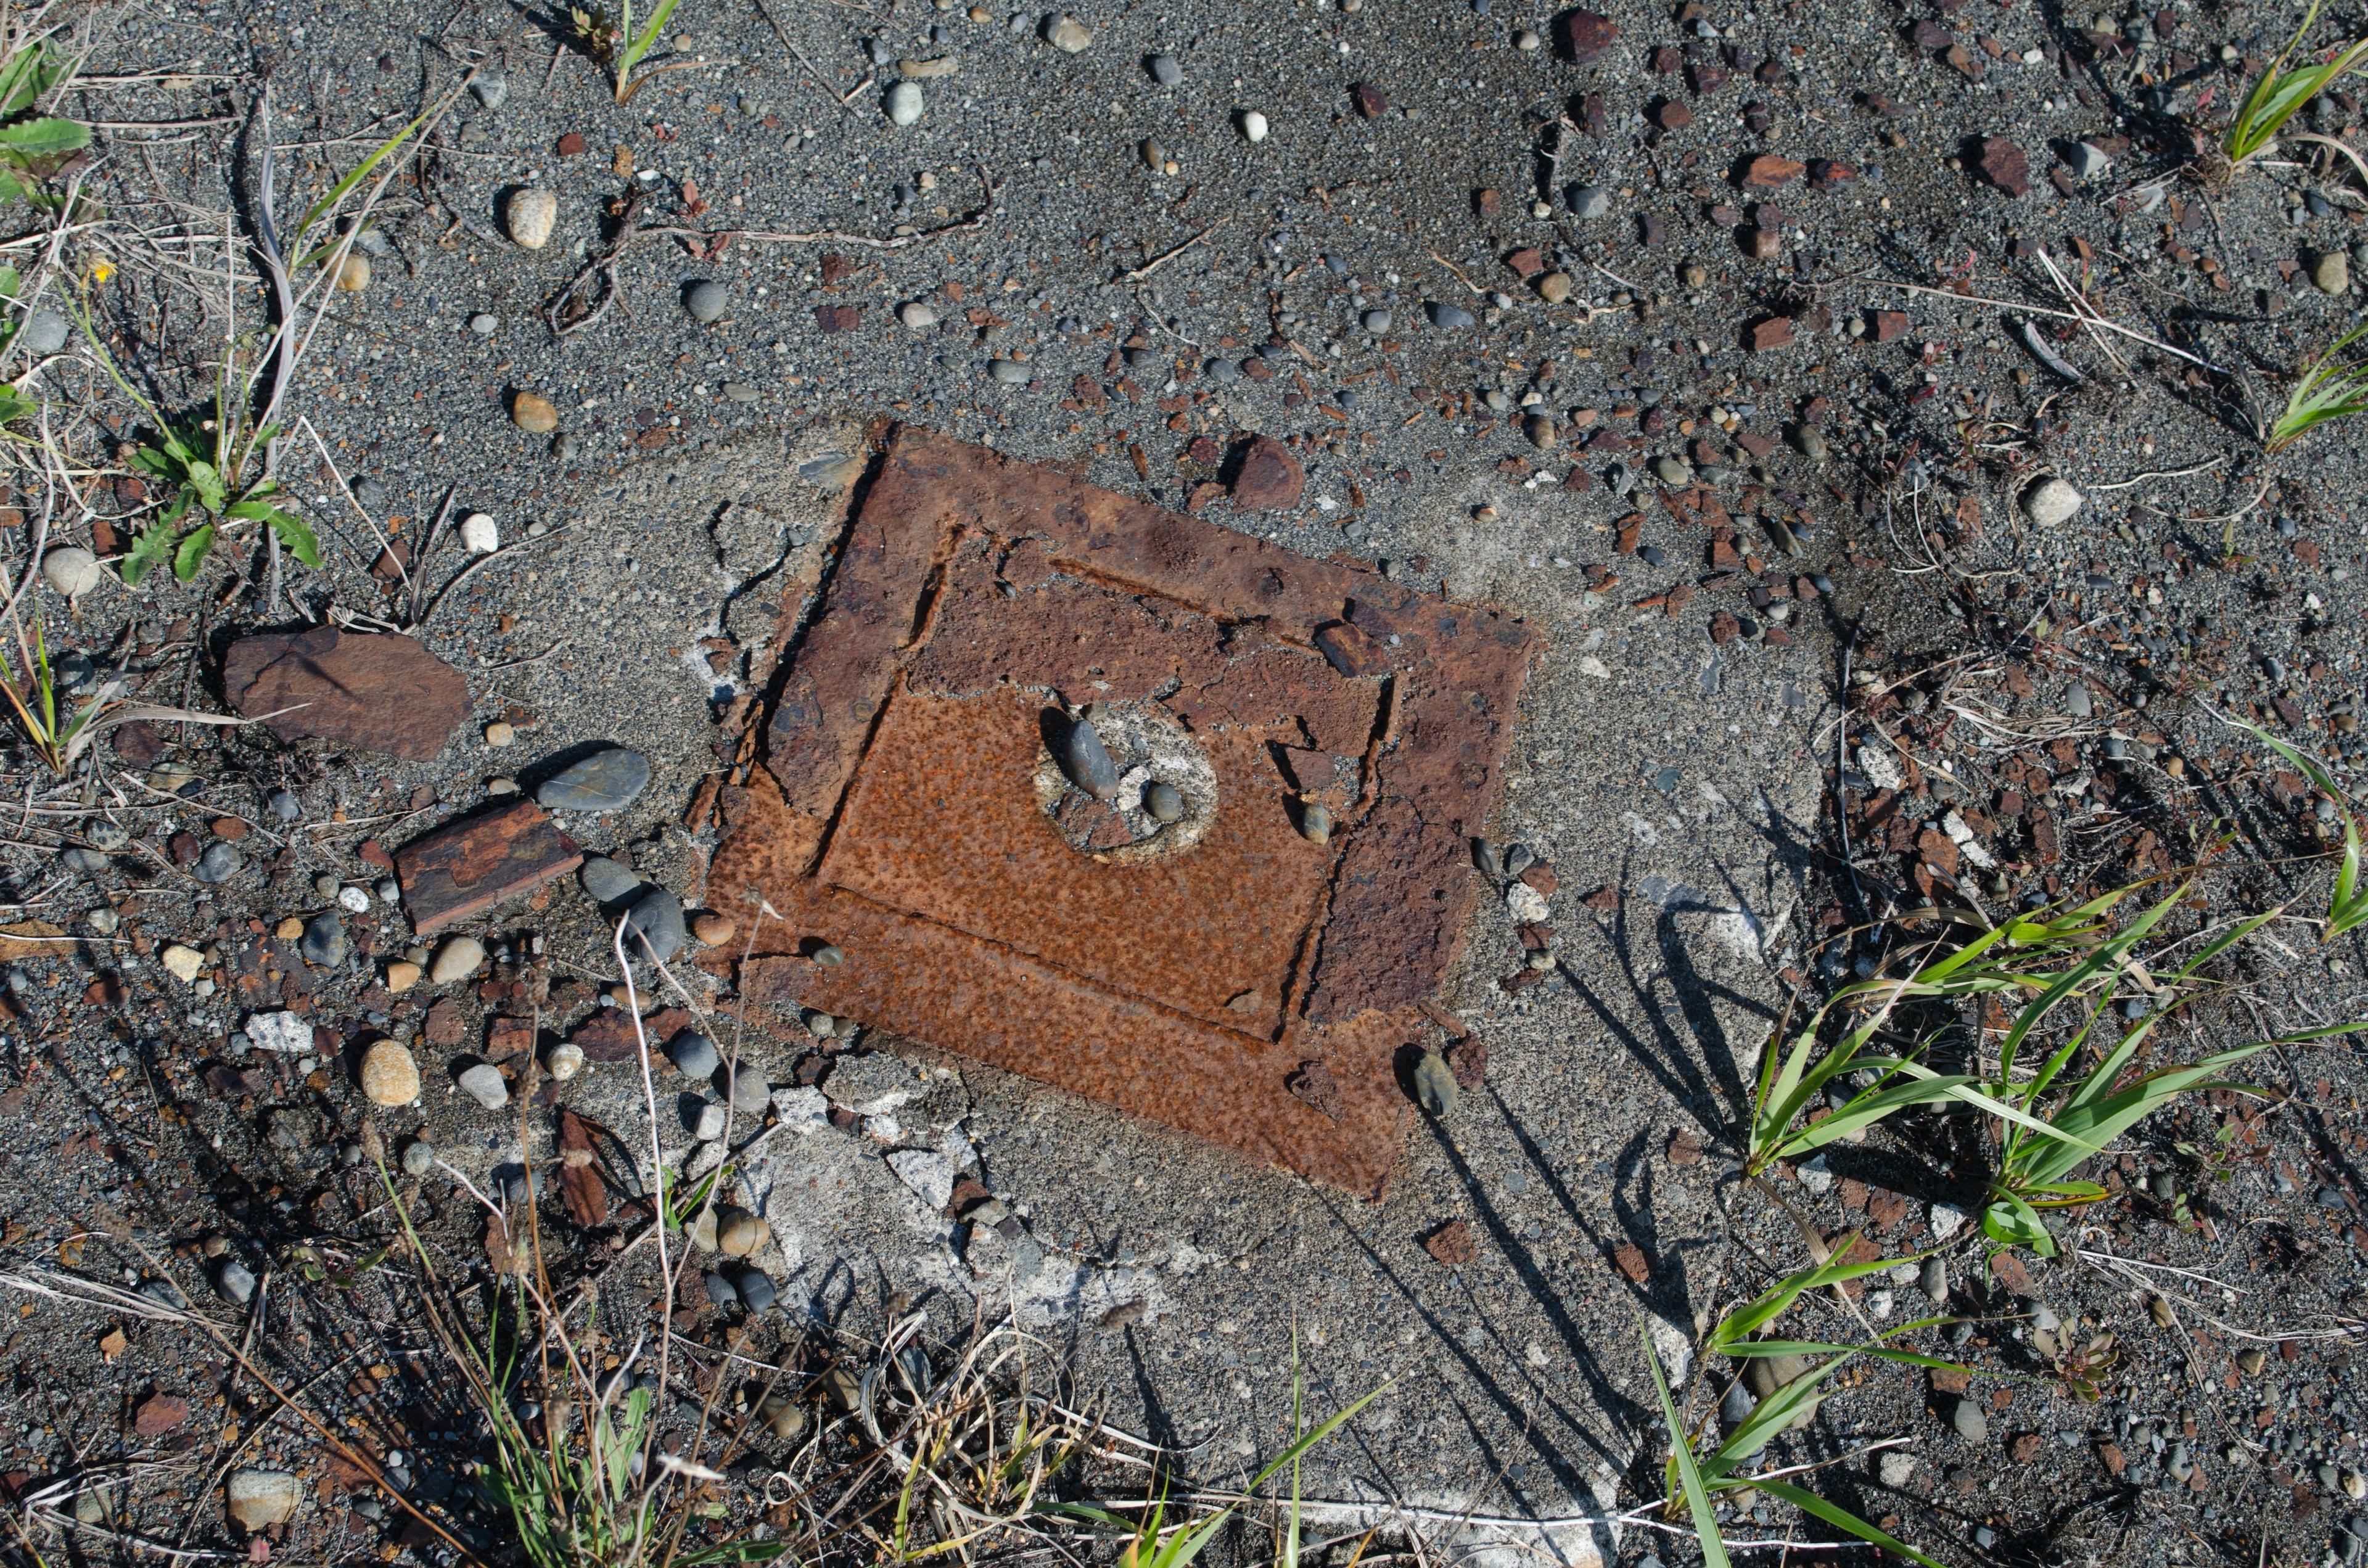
1542 431
457 959
750 1093
1221 370
1010 373
283 805
418 1157
491 88
1589 201
1069 35
719 1293
1971 1423
914 313
1254 126
705 301
654 928
1315 823
44 331
532 213
389 1075
259 1499
71 570
1812 442
1554 288
608 781
500 733
706 1120
1377 321
483 323
1452 318
484 1083
401 976
693 1054
235 1281
2050 502
534 413
353 273
323 942
2331 273
828 957
712 930
565 1060
738 1232
219 864
1164 802
480 535
1166 71
606 880
756 1291
904 103
1434 1086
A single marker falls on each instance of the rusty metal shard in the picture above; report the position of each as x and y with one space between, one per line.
467 867
902 813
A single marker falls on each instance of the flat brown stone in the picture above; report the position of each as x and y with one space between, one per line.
467 867
1770 170
1629 1259
580 1187
384 693
1586 34
1776 332
2004 165
979 600
1451 1243
159 1413
1270 478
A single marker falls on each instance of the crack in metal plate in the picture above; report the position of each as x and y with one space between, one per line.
898 815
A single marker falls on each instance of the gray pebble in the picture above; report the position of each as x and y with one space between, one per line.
704 1119
219 864
1589 201
741 392
1088 762
719 1293
606 880
904 103
1985 1536
1672 471
484 324
1010 373
656 921
1221 370
705 301
693 1054
84 862
323 942
1934 1279
606 781
750 1093
1971 1423
492 88
2077 701
44 331
1378 322
1454 318
236 1282
1164 802
484 1083
757 1291
1166 72
2086 162
1434 1086
418 1157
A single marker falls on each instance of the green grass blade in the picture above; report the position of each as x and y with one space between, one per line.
361 171
1713 1547
1840 1519
1771 1303
637 47
1816 1347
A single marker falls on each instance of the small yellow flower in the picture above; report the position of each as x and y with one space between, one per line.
102 271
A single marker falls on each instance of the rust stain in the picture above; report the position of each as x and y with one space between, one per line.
467 867
898 818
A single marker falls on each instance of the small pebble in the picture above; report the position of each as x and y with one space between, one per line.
219 864
1315 823
2050 502
484 324
705 301
532 213
478 534
750 1093
418 1157
1452 318
182 963
914 313
44 333
491 88
1377 321
1254 126
323 942
1088 762
1166 71
738 1232
236 1282
712 930
565 1060
1971 1423
1163 801
2331 273
390 1075
654 928
1010 373
401 976
533 412
1434 1086
693 1054
904 103
71 570
1589 201
1554 288
353 273
457 959
756 1294
608 781
500 733
1069 35
484 1083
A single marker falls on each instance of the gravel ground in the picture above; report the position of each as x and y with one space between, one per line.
1675 762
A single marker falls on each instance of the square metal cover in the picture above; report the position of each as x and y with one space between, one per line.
1220 973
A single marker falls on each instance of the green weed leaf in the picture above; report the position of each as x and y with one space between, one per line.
191 556
152 549
44 138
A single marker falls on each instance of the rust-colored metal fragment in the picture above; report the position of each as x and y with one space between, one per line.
467 867
580 1187
1213 971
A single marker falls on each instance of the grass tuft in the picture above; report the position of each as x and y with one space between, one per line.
2327 389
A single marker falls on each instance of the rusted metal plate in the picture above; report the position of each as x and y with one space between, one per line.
467 867
911 815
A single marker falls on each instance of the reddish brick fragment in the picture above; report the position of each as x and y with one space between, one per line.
470 866
1776 332
2003 164
1889 324
1770 170
1629 1259
1586 35
1451 1243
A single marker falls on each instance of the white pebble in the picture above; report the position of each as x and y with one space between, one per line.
354 899
533 211
905 104
2051 501
478 534
71 570
1254 125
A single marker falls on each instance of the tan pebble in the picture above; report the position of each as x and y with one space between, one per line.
457 959
714 931
532 212
290 929
354 275
534 413
401 976
390 1076
738 1232
501 786
1554 288
499 734
184 963
565 1060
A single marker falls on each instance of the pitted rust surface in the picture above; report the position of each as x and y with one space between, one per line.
898 819
467 867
